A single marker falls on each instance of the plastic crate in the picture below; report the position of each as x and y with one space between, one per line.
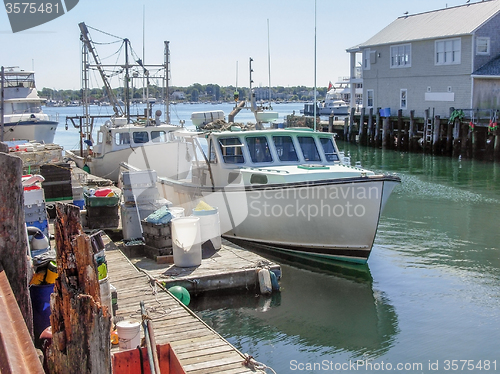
34 197
94 201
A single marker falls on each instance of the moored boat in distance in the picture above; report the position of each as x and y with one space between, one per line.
287 189
22 109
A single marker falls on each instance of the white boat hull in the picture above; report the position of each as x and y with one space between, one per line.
335 219
41 131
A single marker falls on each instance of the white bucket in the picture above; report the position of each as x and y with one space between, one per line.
177 211
129 336
209 226
186 241
105 287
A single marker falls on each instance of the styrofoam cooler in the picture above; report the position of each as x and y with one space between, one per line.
186 241
210 226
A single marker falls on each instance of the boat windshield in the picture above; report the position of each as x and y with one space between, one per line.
285 148
259 149
330 153
309 149
158 136
26 107
232 150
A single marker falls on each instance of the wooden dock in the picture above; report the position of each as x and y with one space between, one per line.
199 348
229 267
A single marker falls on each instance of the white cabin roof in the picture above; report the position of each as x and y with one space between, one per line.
442 23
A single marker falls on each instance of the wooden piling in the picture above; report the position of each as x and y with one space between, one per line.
330 123
346 129
449 138
496 147
362 129
456 137
436 133
377 137
411 131
352 134
80 323
400 130
465 139
386 136
369 134
13 236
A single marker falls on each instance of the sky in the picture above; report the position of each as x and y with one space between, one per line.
211 41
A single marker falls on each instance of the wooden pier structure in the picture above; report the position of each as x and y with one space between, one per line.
199 348
471 133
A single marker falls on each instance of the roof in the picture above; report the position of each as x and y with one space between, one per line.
442 23
490 69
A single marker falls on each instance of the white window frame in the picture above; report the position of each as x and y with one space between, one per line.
403 98
400 56
370 95
366 59
479 43
448 52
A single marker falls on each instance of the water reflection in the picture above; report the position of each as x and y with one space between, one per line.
335 309
443 213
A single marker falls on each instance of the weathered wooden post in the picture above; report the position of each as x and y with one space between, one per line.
449 138
370 127
465 138
352 134
400 129
436 134
80 324
13 235
362 129
386 135
377 128
330 123
411 131
474 135
346 129
496 146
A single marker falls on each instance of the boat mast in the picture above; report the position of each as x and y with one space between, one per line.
127 79
315 93
269 62
167 79
112 98
252 94
85 84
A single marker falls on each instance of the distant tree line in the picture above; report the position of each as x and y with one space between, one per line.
194 93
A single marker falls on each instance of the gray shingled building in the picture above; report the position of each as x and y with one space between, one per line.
434 60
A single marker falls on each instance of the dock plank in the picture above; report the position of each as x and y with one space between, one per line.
229 267
200 349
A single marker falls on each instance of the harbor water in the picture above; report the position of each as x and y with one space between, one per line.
427 301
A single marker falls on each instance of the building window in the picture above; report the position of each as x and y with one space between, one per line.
483 46
403 98
401 56
369 98
366 59
448 51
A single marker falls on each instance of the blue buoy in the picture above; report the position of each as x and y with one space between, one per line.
181 293
274 281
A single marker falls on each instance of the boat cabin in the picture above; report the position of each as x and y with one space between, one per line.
273 151
273 148
122 136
